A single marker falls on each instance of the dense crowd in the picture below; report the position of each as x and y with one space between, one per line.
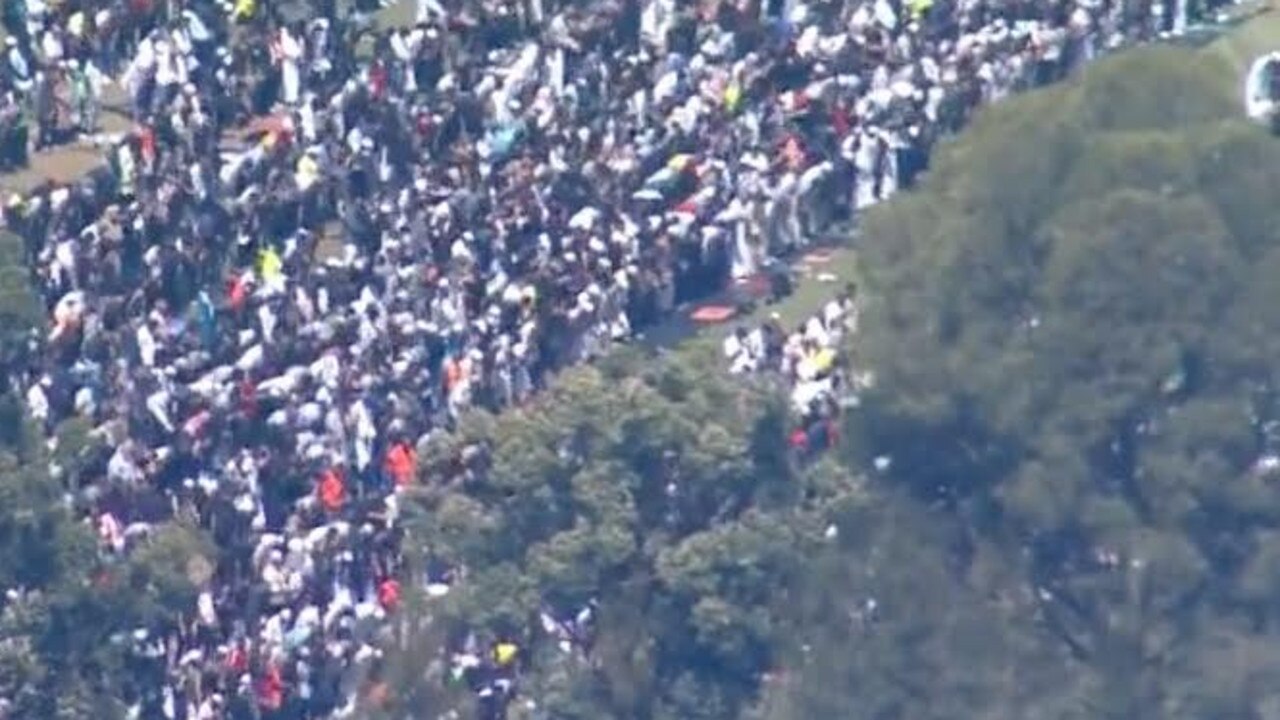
262 331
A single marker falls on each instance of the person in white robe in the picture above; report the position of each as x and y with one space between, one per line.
291 52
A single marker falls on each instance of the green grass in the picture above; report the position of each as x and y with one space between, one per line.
400 14
814 288
1257 33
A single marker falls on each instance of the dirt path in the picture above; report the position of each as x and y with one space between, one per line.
67 162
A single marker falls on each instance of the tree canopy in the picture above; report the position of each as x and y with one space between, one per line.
1074 349
659 491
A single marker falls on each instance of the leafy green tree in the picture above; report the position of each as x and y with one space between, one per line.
654 489
1072 332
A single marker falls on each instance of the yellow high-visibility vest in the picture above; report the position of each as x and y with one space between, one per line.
270 266
918 8
505 653
732 97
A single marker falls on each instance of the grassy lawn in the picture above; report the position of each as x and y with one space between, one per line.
67 162
819 277
398 14
1258 33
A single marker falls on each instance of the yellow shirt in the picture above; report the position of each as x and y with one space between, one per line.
505 653
824 360
679 162
270 266
307 173
918 7
732 98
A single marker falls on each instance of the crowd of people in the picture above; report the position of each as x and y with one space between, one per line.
811 362
262 326
57 58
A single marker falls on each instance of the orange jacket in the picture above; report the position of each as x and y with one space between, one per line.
236 293
271 689
332 493
401 463
389 594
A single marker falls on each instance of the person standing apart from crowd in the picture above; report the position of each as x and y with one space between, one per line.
85 84
45 106
140 77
